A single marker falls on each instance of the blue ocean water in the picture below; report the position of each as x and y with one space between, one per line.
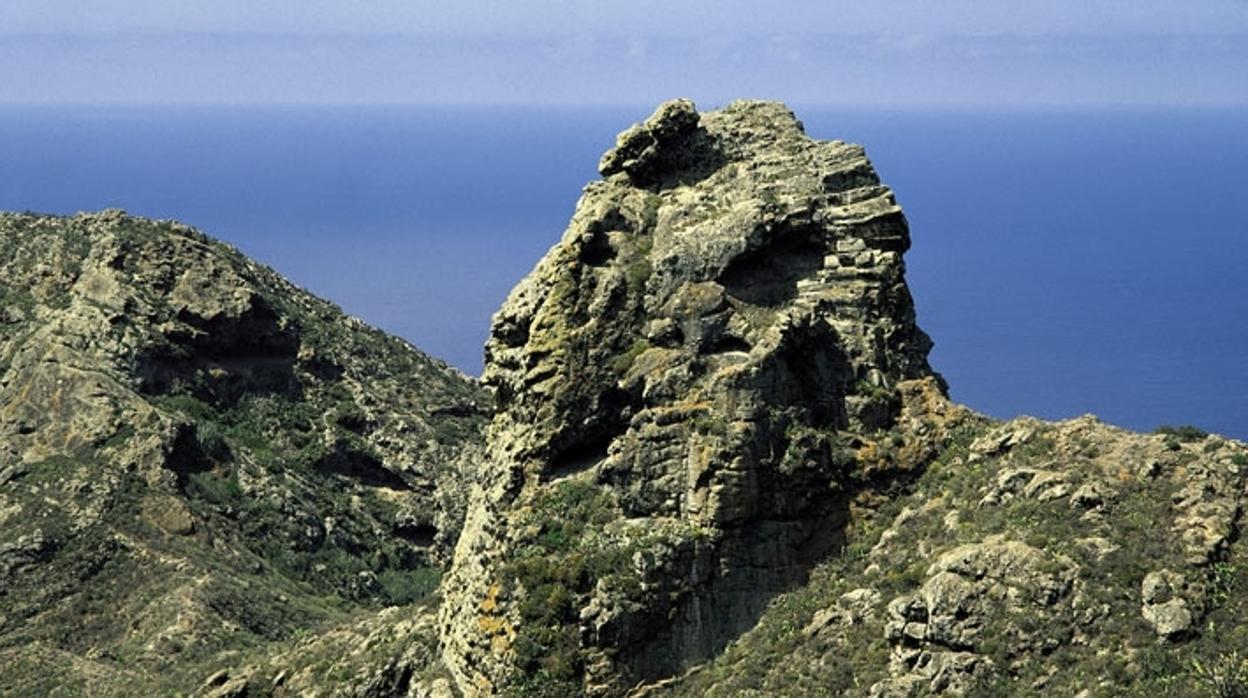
1065 262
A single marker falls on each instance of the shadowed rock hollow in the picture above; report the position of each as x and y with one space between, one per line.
682 383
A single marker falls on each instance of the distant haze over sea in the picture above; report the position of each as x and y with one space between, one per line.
1064 261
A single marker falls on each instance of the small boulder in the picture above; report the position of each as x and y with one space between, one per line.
1163 606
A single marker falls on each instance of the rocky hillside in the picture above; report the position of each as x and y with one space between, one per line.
717 463
1028 559
198 458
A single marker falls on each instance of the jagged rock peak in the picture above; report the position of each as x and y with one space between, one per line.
690 368
646 146
671 139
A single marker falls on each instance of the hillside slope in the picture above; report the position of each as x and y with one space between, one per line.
1029 559
198 458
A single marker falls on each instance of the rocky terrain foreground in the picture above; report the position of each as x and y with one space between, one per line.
707 456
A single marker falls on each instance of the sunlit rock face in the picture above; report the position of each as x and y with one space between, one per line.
682 383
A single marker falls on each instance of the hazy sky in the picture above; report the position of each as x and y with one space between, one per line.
895 52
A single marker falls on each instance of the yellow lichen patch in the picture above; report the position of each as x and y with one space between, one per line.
490 603
500 644
493 625
868 455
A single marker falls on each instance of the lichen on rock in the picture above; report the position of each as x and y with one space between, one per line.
718 333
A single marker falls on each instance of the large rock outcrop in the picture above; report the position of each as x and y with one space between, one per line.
688 385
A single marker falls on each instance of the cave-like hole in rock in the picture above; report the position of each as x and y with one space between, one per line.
728 343
579 457
769 276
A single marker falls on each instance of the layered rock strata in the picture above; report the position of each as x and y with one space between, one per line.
684 383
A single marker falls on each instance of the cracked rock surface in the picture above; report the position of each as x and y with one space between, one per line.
691 370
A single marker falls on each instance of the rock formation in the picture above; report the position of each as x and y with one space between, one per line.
682 383
716 424
1030 558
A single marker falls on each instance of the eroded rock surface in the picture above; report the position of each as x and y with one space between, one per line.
684 384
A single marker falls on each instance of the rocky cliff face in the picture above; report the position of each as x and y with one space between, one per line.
684 384
195 456
716 424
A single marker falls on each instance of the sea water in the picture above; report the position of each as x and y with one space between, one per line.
1064 261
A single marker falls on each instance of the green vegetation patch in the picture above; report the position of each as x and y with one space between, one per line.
622 362
638 268
571 547
404 587
1185 433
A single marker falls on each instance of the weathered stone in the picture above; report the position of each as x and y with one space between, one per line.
171 514
969 589
1164 606
680 352
1169 619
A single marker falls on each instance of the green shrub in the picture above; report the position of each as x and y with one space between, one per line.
650 212
408 586
638 270
1186 432
192 407
121 436
212 442
544 684
1226 676
1223 580
552 573
621 363
218 488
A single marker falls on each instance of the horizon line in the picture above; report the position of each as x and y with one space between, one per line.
703 105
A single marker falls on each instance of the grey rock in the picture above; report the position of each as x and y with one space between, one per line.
1164 606
687 350
972 592
175 422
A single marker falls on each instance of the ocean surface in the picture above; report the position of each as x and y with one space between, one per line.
1065 262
